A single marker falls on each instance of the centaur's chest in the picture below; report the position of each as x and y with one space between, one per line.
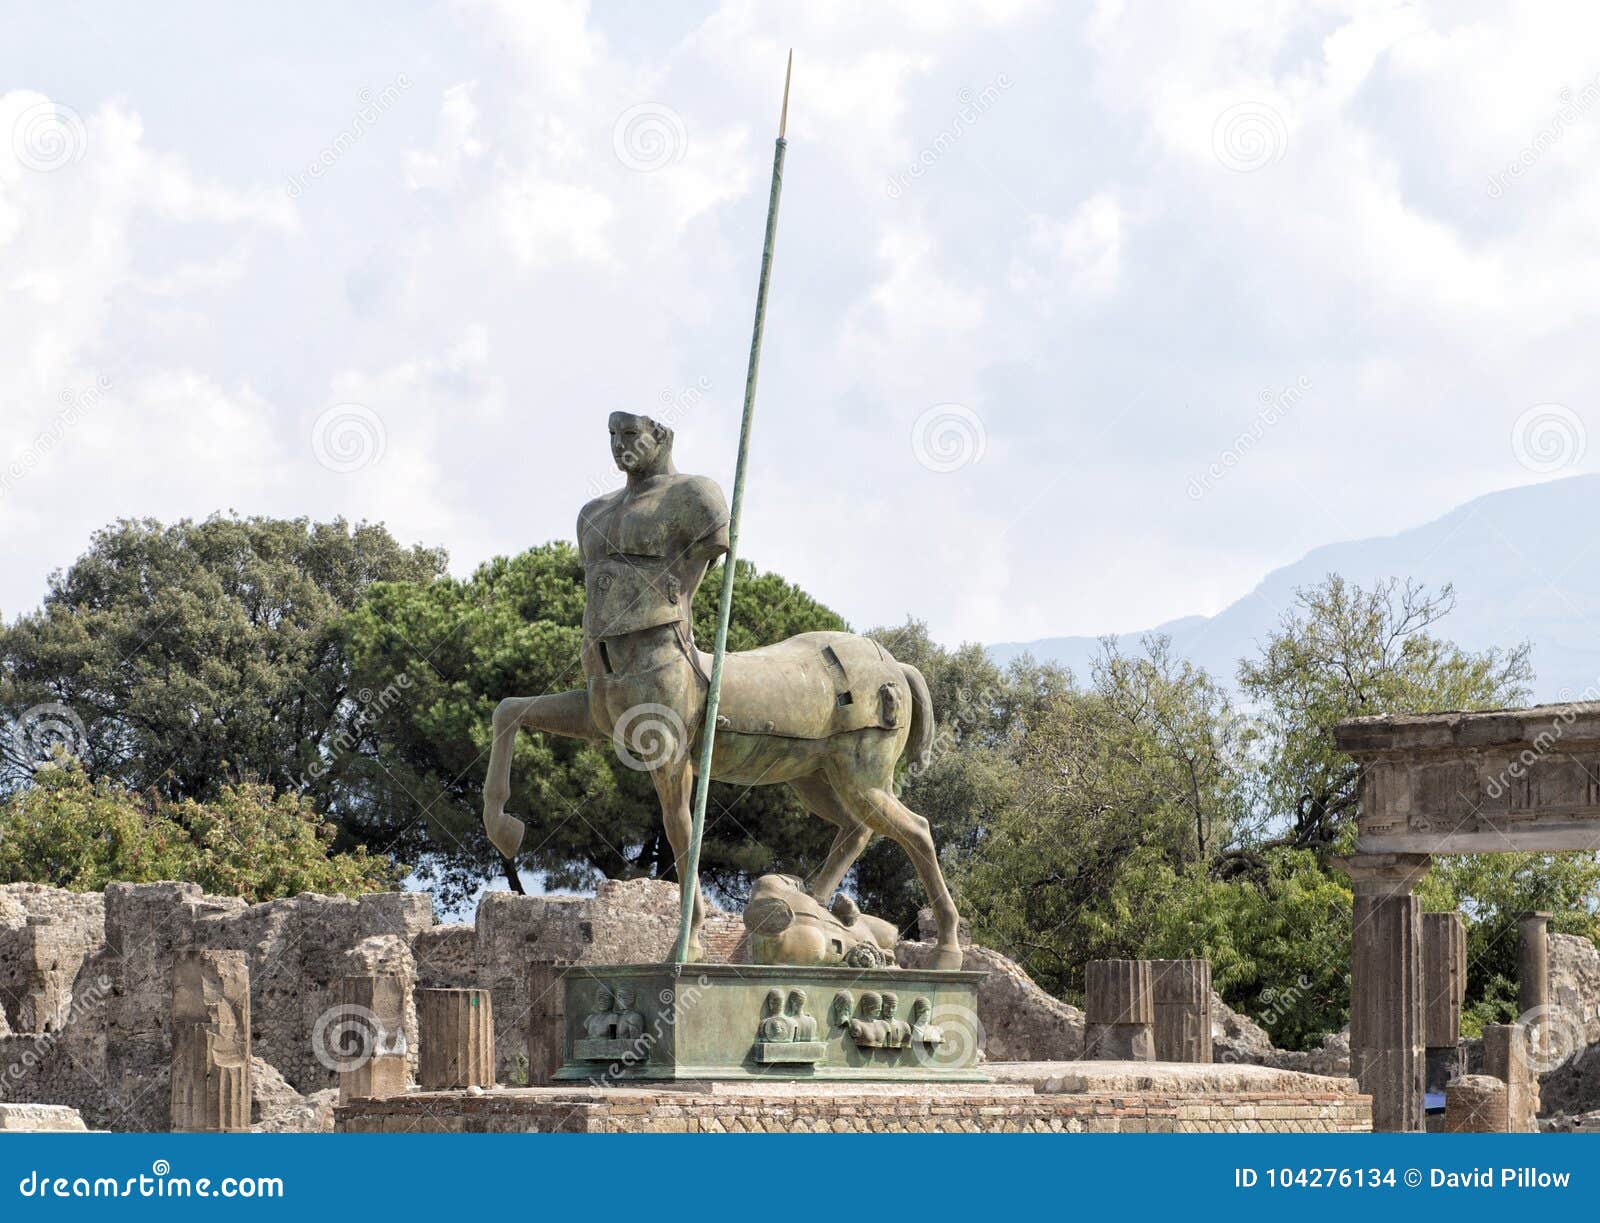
644 525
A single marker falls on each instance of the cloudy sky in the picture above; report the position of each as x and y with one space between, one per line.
1082 317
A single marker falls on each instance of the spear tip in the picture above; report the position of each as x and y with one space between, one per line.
783 117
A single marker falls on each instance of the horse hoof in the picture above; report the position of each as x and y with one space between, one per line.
505 832
946 958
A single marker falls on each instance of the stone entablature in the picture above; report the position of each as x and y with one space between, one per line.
1449 783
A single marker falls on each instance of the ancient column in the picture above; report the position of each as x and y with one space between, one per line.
547 994
47 987
211 1041
1444 989
371 1037
1475 1104
1386 1050
455 1032
1505 1057
1533 961
1119 1013
1182 1000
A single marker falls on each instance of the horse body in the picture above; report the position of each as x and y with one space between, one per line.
829 714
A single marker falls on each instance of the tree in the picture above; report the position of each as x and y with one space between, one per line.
1137 774
982 715
179 659
1491 891
1342 652
69 831
515 628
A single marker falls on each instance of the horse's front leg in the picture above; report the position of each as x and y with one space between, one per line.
558 713
674 782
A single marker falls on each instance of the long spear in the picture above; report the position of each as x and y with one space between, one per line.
689 876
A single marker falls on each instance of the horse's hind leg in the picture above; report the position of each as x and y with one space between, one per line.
674 782
558 713
881 811
848 845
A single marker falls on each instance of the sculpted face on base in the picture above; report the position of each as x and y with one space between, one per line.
828 714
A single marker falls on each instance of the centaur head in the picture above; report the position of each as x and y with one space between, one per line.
641 446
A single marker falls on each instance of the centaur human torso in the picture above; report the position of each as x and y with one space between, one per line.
829 714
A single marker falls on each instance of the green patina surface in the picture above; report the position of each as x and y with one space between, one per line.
633 1022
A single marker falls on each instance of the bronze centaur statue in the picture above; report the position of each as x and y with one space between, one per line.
827 713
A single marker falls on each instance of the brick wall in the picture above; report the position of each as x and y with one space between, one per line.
552 1110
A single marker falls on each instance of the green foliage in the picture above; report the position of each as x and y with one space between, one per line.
983 714
514 628
1490 891
1145 816
72 832
1343 652
203 652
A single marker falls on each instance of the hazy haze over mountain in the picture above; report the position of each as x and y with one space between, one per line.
1523 563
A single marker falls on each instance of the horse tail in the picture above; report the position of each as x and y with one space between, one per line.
920 743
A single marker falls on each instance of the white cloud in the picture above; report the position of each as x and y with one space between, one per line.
1160 215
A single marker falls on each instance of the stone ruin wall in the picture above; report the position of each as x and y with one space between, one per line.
86 982
86 987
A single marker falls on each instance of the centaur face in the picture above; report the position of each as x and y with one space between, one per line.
639 445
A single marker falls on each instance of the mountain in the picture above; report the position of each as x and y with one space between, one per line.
1522 571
